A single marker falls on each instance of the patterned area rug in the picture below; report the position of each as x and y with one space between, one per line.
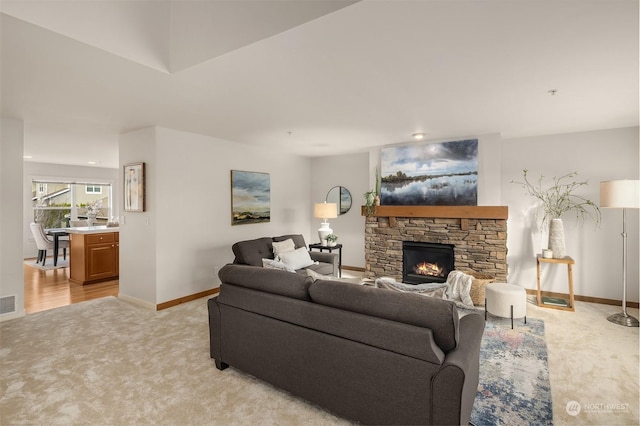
514 375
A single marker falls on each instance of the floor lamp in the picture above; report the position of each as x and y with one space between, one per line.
622 194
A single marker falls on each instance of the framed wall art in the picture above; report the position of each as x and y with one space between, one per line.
134 187
250 197
430 174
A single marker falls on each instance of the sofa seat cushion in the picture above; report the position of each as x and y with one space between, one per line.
319 268
441 316
251 252
273 281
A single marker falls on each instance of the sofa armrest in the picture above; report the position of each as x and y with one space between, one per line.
455 385
326 257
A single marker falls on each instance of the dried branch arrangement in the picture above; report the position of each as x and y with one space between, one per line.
558 198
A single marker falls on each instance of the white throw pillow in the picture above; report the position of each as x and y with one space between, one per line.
283 246
274 264
297 259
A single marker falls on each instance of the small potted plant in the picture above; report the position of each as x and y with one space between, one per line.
369 203
331 240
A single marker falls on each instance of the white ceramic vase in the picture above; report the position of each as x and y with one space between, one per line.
556 238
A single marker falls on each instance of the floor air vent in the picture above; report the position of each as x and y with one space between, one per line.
7 304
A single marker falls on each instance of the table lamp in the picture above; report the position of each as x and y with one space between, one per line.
325 211
622 194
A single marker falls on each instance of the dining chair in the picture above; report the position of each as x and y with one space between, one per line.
44 243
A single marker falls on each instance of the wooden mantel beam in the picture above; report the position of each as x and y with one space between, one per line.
450 212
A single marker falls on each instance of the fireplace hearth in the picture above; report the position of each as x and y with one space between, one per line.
426 262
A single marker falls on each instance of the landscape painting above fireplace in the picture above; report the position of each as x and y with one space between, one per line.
430 174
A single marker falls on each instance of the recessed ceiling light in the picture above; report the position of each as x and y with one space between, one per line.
418 136
92 163
27 157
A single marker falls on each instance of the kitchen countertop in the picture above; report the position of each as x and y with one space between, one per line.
92 229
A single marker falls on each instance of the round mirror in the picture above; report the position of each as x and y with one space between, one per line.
341 196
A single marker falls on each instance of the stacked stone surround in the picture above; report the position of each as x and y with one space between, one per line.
481 248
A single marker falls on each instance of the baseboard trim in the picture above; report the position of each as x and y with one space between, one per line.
352 268
589 299
13 315
137 302
186 299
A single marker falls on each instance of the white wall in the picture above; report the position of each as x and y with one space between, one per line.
357 173
596 156
138 230
189 236
11 272
350 171
44 171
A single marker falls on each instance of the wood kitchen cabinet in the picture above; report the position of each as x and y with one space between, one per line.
94 257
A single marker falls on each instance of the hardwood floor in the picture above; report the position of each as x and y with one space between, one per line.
51 289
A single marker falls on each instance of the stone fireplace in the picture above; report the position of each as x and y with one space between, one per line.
478 235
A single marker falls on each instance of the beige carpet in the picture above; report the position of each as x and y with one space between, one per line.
108 362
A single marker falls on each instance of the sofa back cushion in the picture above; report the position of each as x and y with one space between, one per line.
440 316
268 280
251 252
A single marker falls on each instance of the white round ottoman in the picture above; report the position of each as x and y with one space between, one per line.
506 300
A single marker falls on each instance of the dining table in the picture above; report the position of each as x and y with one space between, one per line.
56 233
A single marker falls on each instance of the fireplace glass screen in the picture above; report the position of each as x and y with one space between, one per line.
426 262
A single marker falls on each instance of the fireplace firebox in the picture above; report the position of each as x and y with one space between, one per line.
426 262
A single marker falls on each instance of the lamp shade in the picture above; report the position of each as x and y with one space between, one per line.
620 194
325 210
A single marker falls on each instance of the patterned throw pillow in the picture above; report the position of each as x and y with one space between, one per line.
283 247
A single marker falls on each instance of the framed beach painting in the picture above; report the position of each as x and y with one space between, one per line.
430 174
134 187
250 197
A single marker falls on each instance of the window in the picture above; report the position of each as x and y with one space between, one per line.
55 203
93 189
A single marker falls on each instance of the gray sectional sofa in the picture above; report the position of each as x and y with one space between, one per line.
251 252
366 354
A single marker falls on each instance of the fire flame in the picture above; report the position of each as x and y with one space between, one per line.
430 269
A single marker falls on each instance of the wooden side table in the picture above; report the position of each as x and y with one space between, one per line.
567 261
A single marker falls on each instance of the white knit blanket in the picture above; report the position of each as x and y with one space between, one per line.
459 288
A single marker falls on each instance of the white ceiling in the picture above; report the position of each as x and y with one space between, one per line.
313 77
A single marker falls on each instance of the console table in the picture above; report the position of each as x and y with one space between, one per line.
330 249
566 261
